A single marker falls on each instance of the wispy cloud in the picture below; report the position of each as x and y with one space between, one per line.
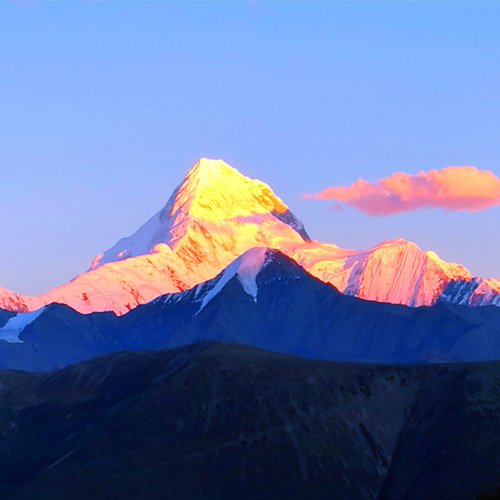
452 188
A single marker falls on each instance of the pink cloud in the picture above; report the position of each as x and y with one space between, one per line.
452 188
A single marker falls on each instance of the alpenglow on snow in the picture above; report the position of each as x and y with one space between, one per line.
214 216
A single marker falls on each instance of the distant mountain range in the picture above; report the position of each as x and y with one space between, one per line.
214 216
199 406
264 299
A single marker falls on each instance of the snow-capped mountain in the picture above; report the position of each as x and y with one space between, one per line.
395 271
215 215
11 301
214 212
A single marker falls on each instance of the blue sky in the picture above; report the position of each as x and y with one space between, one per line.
104 106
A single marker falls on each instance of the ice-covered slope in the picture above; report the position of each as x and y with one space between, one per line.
14 327
395 271
215 215
486 293
11 301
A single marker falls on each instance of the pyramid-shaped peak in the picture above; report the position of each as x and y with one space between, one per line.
215 214
209 168
214 190
247 268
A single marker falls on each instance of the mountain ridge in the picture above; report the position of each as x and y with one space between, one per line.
214 216
264 299
214 420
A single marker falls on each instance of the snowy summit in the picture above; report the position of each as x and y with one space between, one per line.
215 215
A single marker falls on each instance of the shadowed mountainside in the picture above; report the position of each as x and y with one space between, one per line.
219 421
266 300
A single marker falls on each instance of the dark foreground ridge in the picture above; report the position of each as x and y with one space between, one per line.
224 421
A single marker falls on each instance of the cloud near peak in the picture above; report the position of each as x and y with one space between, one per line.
452 188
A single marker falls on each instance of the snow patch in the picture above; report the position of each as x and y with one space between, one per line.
14 327
249 266
245 268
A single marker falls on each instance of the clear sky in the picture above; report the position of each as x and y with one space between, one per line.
104 106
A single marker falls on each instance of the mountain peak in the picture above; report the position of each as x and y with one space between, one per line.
246 269
213 216
209 167
213 190
206 171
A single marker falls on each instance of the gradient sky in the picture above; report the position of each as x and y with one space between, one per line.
104 107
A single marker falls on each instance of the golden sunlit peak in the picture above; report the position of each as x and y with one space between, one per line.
213 190
212 167
215 214
212 174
